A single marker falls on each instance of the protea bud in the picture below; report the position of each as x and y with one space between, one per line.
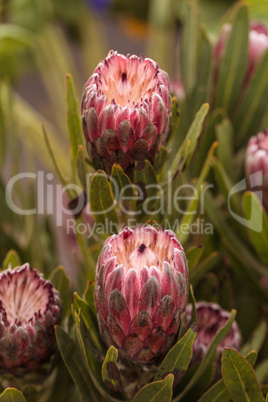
125 111
29 309
258 45
210 318
256 165
141 290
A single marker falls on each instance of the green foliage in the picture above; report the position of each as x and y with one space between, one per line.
210 127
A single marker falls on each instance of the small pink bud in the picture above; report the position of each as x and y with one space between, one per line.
258 45
210 319
256 165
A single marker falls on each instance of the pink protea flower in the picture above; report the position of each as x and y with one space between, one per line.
125 111
29 309
141 290
256 165
258 45
210 318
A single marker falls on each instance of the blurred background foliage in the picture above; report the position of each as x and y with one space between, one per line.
41 41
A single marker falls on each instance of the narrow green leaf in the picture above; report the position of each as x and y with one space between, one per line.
53 159
81 166
203 267
62 283
145 179
209 357
208 137
120 183
178 358
256 340
193 256
160 159
218 392
234 62
89 296
189 46
12 395
82 308
248 118
11 260
75 363
157 391
251 357
201 92
235 246
254 211
189 144
192 208
261 372
110 372
239 377
101 200
192 301
73 117
224 132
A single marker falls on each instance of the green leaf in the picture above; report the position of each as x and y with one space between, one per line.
73 117
101 200
261 372
157 391
189 144
61 282
201 385
256 340
89 296
234 62
251 357
209 357
178 358
110 372
145 179
189 46
120 183
11 260
12 395
193 256
206 265
82 308
255 212
236 247
248 118
201 93
81 166
75 363
192 301
53 158
160 159
239 377
208 137
218 392
224 132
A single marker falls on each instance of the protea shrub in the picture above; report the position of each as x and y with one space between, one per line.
141 291
210 318
29 308
256 165
258 45
125 111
